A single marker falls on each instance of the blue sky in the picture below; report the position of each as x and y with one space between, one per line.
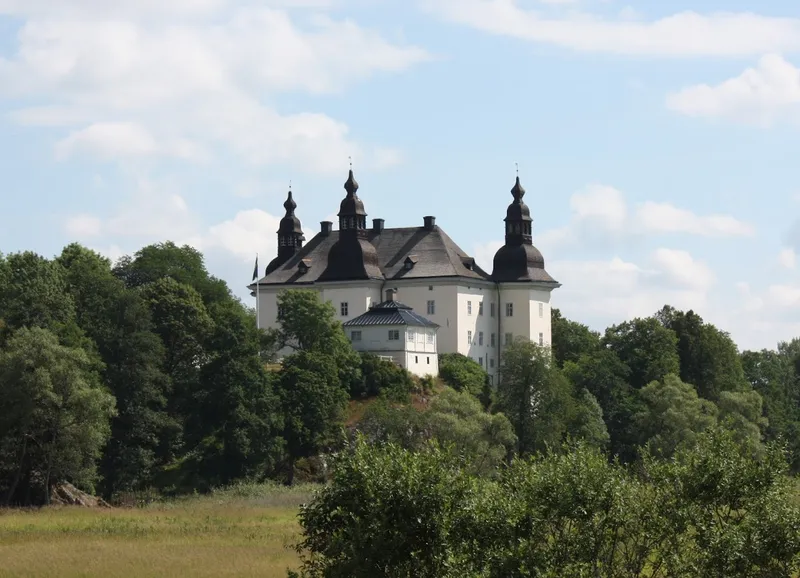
656 140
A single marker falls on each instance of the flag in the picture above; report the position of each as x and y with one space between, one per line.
255 270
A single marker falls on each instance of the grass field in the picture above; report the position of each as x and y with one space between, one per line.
242 531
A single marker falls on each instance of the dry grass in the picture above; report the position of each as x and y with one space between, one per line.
243 531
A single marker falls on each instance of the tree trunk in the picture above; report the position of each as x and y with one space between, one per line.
18 475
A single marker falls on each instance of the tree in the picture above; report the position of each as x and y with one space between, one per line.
33 293
306 324
463 374
453 419
53 412
382 377
604 375
118 321
167 260
773 374
571 339
534 396
587 423
674 415
647 347
313 403
709 359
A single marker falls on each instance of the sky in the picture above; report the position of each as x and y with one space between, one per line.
657 141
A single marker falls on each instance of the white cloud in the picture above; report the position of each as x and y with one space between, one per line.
180 80
665 218
600 215
83 226
681 269
680 35
787 258
761 95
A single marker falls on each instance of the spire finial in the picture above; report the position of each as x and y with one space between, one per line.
290 185
289 205
516 165
351 186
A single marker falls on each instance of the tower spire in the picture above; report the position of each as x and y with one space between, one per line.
290 233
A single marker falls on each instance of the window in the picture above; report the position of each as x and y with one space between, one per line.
394 334
492 341
428 359
491 362
491 309
469 307
416 359
355 336
509 337
480 338
480 360
431 307
343 309
410 336
430 287
541 309
541 339
480 307
509 309
430 336
469 337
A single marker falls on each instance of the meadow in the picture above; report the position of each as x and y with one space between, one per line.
243 531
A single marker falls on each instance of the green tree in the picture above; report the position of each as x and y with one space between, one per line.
118 321
382 377
463 374
33 293
571 339
167 260
452 419
53 413
534 395
674 414
773 374
647 347
313 404
307 324
709 359
604 375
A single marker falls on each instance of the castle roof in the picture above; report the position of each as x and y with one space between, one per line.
390 313
403 253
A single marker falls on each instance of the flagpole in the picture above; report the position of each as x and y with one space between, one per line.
258 317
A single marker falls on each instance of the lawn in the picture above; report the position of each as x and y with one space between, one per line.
243 531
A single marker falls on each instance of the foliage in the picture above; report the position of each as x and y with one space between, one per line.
708 357
646 347
54 416
453 419
463 374
571 339
714 510
382 377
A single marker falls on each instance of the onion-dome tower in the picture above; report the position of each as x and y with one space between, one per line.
352 256
518 259
290 235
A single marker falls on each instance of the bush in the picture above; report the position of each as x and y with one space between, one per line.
380 377
714 510
463 374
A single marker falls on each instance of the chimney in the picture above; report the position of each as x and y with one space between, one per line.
390 294
377 225
430 222
326 227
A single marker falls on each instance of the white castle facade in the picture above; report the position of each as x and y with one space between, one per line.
478 313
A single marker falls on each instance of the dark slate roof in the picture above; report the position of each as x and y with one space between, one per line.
520 263
390 313
435 252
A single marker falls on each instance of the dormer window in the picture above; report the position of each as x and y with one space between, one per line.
303 266
468 262
410 261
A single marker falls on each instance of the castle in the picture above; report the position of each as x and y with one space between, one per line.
478 313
